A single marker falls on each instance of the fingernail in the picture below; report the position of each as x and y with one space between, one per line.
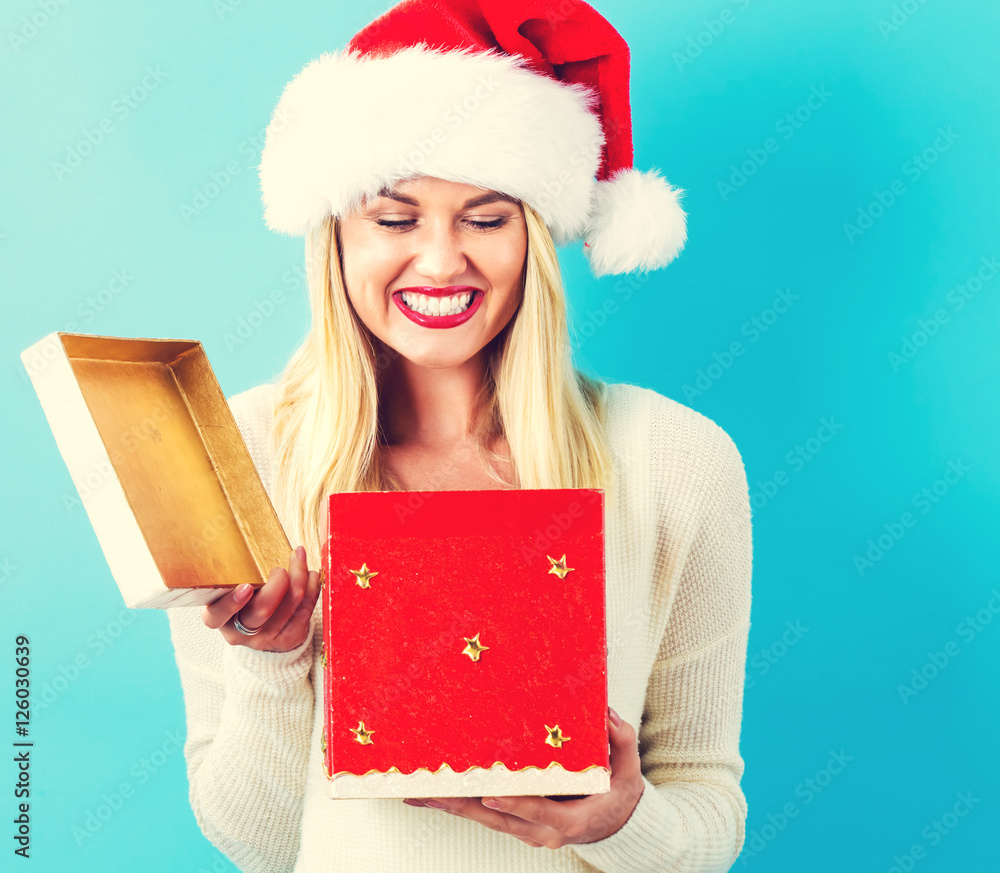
491 802
411 802
301 552
433 804
616 719
243 591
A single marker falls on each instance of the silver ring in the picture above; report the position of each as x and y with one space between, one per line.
243 629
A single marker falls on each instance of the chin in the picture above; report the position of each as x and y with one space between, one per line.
439 361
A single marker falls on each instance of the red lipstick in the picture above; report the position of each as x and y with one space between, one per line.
439 321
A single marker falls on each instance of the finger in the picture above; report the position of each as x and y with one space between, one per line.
274 621
216 614
297 627
472 809
627 784
540 810
624 748
266 599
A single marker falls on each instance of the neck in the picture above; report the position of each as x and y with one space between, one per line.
427 406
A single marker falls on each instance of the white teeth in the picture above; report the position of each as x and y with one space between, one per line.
437 305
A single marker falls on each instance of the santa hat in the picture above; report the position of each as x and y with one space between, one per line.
526 97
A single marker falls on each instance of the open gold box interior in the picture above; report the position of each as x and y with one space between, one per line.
181 461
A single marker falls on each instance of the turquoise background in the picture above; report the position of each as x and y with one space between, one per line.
832 642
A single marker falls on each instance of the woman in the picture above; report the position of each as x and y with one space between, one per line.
387 392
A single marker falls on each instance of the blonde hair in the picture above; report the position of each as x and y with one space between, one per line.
327 427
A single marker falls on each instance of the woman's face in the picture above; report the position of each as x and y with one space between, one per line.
434 268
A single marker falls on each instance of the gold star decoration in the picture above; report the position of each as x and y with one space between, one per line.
362 734
555 737
559 567
363 575
474 648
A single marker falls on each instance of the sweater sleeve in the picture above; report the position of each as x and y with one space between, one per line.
692 813
249 720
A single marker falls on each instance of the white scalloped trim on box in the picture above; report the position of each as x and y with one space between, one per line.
474 782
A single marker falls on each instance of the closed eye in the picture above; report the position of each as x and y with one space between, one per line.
475 224
488 225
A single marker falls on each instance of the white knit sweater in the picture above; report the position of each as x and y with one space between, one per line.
678 556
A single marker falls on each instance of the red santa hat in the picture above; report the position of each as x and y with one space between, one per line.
526 97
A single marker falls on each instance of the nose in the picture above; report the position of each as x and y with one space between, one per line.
440 254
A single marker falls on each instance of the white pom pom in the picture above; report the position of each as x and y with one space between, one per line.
635 224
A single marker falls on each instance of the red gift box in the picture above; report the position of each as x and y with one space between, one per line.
461 632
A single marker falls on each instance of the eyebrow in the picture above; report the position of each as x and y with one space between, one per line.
481 200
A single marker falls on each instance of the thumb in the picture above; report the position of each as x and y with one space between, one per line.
626 768
624 745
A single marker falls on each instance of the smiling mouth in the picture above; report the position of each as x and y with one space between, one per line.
438 312
425 305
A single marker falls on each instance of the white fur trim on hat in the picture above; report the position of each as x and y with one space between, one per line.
636 223
347 125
